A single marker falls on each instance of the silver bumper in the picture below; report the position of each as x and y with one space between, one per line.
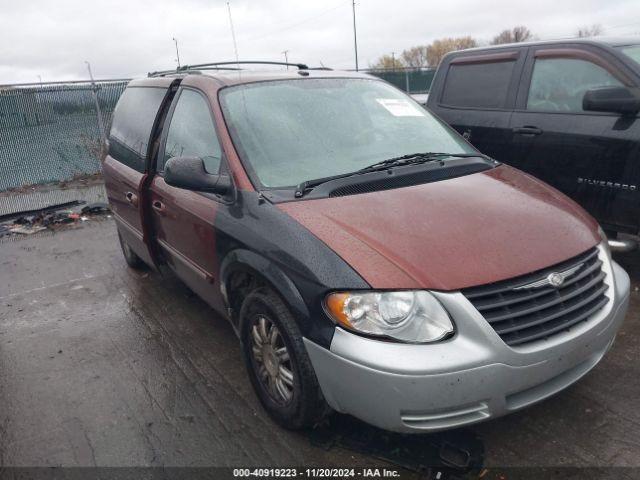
472 377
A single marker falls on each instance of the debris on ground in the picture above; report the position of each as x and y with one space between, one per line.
40 211
51 218
95 208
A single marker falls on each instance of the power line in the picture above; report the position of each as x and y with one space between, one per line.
296 24
621 25
605 28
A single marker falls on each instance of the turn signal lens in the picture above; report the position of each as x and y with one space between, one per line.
409 316
335 304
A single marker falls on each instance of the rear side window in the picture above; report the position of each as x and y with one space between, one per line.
132 124
478 85
558 84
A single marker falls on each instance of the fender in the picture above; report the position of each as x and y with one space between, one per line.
242 258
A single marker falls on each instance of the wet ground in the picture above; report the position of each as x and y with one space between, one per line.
101 365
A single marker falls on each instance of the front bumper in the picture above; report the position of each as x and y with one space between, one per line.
472 377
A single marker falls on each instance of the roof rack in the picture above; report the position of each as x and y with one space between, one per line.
222 66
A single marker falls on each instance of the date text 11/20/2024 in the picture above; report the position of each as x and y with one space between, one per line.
316 472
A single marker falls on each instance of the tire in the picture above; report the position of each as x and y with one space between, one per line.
132 259
261 311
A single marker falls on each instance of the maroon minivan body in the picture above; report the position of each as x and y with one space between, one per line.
420 293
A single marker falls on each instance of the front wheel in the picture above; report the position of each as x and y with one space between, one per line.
277 362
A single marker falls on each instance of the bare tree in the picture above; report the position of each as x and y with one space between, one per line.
415 57
439 48
515 35
387 62
591 31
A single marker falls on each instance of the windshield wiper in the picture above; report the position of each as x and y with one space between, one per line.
414 158
409 159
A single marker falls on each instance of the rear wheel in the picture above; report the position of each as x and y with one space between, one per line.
132 259
277 362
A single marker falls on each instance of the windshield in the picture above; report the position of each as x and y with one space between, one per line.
294 130
632 51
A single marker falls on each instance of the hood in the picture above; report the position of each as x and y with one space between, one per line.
451 234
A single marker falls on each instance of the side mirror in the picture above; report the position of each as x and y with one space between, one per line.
189 173
622 100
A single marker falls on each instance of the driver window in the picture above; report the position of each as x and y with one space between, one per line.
192 133
558 84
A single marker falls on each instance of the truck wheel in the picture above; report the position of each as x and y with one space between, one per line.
133 260
277 362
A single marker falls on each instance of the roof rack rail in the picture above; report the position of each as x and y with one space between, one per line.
222 66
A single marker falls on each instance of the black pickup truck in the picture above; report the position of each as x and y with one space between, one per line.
563 111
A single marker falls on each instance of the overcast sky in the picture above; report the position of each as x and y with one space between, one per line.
127 38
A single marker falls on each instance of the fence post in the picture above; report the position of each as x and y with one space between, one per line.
94 88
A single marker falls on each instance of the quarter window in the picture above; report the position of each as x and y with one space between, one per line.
558 84
192 132
478 85
132 123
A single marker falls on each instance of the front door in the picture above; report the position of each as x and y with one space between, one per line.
476 98
183 219
590 156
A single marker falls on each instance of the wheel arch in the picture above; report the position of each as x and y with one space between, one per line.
241 266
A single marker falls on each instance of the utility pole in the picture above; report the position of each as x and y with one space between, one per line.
95 98
355 36
393 60
177 52
286 57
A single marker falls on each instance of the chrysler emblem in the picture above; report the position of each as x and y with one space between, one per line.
555 279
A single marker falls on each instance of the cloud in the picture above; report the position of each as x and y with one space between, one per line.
129 38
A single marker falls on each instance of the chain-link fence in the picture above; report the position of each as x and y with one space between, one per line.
411 80
49 132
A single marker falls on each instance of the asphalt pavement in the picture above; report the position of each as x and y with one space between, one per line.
102 365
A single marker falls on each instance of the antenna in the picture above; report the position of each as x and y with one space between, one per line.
177 52
233 34
355 36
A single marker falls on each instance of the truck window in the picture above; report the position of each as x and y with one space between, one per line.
558 84
631 51
132 124
192 132
478 85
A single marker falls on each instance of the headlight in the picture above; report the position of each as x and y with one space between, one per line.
409 316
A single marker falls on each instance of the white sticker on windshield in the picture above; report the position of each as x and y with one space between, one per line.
400 107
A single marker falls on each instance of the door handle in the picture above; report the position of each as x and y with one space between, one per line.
132 198
158 206
527 130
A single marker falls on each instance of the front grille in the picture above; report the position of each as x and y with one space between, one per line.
521 315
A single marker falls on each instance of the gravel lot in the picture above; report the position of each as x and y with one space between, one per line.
100 365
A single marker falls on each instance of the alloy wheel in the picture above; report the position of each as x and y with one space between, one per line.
271 360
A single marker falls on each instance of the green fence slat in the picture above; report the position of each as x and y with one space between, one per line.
50 133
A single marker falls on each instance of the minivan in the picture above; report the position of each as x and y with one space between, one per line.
370 259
